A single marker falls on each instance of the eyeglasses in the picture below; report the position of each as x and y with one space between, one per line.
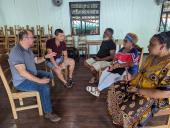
29 37
126 41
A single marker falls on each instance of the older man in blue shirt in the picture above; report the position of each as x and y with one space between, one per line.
25 75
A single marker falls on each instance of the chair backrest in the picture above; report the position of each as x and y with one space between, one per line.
69 41
32 29
82 40
43 47
2 38
42 31
141 52
9 31
5 81
38 29
50 31
1 31
119 43
27 27
17 29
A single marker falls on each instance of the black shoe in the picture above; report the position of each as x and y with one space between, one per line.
52 117
68 85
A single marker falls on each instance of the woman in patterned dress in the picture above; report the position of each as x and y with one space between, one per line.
132 104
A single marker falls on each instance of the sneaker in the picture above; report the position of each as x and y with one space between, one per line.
52 117
70 81
68 85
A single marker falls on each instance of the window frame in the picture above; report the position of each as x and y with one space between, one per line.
80 15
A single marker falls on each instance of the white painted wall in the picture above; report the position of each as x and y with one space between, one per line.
138 16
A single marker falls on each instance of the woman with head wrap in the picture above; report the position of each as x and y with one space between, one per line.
125 61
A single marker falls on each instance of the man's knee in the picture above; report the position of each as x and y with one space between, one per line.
92 68
71 61
86 64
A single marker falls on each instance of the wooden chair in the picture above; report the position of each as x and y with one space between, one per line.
19 96
33 30
17 29
141 52
3 50
27 27
36 47
82 45
10 38
119 43
50 32
162 112
30 28
69 41
42 40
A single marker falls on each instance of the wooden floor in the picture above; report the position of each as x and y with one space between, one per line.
77 108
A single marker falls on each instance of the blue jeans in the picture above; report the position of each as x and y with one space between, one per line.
43 90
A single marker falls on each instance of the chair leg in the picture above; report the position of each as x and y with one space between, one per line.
79 54
86 53
39 105
14 112
52 81
168 122
99 73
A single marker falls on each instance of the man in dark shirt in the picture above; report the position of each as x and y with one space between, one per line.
61 60
104 55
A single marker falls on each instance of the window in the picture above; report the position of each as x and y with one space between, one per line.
165 17
85 18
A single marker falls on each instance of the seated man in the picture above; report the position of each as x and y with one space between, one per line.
104 55
61 60
25 75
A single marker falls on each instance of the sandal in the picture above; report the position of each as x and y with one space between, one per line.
93 91
92 80
68 85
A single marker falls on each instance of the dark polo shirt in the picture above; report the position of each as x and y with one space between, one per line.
50 44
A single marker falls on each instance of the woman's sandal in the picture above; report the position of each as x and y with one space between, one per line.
93 91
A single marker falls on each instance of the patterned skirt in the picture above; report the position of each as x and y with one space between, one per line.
127 109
